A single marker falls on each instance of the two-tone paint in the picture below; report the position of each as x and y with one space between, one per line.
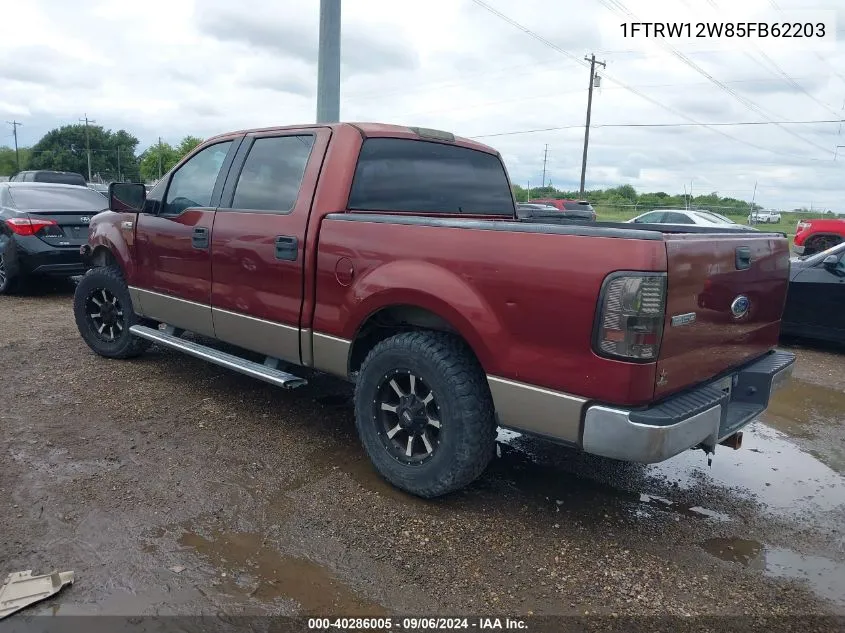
523 296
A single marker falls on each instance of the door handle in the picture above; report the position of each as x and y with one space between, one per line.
743 258
287 248
200 238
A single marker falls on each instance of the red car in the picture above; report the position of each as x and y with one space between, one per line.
575 209
393 258
815 236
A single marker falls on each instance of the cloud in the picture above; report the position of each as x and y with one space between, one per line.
207 66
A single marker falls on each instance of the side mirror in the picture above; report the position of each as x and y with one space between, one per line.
127 197
831 262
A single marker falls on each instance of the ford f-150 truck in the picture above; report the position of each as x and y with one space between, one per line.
393 258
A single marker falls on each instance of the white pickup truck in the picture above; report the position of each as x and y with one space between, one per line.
769 216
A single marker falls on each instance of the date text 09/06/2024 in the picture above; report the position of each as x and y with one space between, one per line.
724 29
416 623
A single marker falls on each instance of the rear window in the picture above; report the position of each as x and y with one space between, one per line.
59 178
59 199
425 177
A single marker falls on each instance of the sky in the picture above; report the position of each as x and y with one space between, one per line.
202 67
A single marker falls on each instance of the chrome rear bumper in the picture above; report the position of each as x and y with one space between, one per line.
701 417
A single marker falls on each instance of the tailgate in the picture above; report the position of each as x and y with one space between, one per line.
725 299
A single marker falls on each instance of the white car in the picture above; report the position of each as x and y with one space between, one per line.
764 217
681 217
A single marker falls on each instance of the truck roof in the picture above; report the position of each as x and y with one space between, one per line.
368 130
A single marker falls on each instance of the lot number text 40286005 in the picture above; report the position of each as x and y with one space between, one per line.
703 30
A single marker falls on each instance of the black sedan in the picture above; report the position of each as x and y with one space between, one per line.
42 226
815 303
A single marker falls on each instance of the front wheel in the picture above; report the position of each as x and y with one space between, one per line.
103 311
424 413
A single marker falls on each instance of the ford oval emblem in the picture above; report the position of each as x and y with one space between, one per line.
739 306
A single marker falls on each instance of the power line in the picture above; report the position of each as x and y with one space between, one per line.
687 61
651 125
621 83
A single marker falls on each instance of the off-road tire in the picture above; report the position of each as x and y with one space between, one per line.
467 435
110 279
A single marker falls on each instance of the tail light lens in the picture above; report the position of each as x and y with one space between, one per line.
631 314
801 226
28 226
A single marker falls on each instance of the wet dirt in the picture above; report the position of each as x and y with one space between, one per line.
257 570
826 577
266 503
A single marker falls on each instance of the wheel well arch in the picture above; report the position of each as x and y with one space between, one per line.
102 256
824 234
391 320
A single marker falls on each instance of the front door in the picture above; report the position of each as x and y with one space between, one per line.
258 243
173 242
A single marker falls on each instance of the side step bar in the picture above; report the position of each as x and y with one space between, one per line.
265 372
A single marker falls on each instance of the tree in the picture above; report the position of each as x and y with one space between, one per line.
157 160
64 149
8 161
186 145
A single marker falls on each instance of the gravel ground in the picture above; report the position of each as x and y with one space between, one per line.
172 486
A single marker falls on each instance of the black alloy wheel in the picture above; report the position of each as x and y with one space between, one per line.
106 314
407 417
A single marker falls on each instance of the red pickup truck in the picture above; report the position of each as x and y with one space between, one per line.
817 235
393 257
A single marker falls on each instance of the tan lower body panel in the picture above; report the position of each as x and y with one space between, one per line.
257 335
194 317
537 410
331 354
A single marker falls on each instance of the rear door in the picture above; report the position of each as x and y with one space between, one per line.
258 242
725 298
69 209
173 241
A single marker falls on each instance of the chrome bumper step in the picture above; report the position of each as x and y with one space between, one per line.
265 372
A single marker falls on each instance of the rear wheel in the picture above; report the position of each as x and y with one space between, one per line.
9 282
103 311
424 413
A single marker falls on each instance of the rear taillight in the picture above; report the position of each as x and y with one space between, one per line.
28 226
801 226
630 319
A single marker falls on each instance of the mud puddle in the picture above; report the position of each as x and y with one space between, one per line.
249 566
769 467
800 407
826 577
541 470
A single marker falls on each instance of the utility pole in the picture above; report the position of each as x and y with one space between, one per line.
159 158
545 156
529 191
328 63
15 125
119 179
593 62
87 143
